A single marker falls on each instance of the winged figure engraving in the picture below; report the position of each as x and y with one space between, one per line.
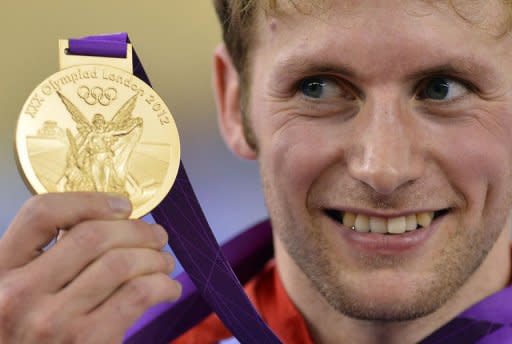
99 153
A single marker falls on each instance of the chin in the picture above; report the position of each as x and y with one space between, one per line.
383 298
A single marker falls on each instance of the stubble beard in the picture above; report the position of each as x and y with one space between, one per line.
309 248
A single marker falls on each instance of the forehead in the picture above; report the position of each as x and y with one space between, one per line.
414 31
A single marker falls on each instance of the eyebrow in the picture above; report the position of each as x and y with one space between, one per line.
461 66
298 65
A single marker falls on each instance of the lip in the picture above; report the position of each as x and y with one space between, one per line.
387 244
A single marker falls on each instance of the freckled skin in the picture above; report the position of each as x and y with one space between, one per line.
371 142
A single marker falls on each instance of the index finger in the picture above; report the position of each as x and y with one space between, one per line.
40 218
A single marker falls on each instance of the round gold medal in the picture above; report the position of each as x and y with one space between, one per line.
98 128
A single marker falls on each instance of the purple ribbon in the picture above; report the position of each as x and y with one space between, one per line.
190 237
110 45
486 322
193 243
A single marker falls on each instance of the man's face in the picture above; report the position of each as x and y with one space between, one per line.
384 110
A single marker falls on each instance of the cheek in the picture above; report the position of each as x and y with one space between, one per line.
477 161
297 154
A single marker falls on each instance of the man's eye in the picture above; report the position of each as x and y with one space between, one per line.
318 87
442 88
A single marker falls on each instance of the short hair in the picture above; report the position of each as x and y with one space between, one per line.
236 17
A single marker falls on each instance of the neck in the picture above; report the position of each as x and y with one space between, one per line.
327 326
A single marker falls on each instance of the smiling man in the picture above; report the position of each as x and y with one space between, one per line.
383 132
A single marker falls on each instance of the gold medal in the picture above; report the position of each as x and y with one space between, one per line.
94 126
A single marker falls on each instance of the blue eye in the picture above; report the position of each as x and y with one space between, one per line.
442 88
437 88
325 88
313 87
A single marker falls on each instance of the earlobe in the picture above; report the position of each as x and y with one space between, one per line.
226 84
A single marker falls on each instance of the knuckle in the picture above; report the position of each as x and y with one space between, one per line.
145 231
88 334
7 307
118 263
44 325
165 287
89 236
10 295
140 294
96 202
37 208
139 225
82 332
7 303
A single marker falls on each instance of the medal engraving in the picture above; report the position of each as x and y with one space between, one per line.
97 95
98 128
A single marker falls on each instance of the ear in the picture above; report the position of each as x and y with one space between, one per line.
226 84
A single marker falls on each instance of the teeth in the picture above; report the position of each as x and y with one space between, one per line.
410 222
396 225
362 223
349 220
378 225
424 219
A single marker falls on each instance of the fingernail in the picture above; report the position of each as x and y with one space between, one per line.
119 204
160 233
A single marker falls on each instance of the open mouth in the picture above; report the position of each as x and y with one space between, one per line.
389 225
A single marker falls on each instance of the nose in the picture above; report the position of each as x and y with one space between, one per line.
385 154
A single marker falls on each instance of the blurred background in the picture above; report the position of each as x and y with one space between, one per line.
174 40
